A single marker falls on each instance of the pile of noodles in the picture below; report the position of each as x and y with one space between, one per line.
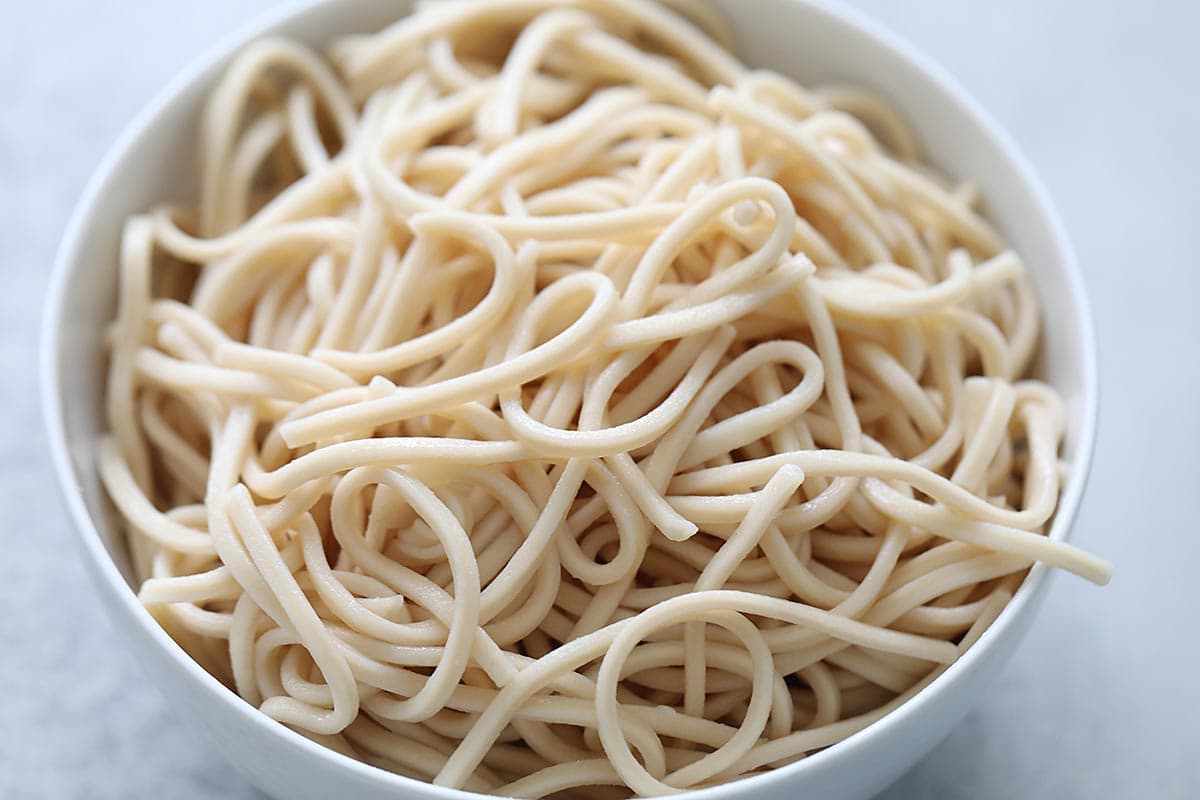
539 400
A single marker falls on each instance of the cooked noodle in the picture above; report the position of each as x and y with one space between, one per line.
539 400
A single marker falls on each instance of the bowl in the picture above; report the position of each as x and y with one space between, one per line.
805 39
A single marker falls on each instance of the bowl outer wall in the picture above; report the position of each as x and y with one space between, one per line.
813 41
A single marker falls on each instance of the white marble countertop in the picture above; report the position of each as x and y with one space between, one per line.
1101 701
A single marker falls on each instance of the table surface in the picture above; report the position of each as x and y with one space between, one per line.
1101 701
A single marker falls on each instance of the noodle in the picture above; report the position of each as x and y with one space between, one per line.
536 399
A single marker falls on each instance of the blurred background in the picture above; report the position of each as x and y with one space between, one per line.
1101 701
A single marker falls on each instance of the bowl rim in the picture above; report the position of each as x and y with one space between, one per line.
105 571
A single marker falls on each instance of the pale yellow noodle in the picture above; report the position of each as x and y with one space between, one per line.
536 399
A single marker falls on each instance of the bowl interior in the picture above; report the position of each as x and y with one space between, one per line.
152 163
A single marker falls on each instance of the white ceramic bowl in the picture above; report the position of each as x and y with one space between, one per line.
805 39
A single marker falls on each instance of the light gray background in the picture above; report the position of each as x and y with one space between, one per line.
1102 700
